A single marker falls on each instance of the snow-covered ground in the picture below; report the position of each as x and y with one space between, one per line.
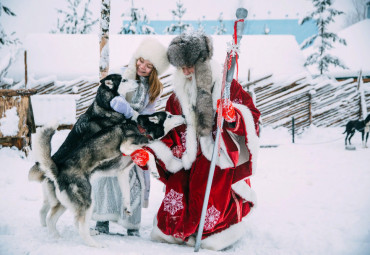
313 198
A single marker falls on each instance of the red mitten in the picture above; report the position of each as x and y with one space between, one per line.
140 157
228 111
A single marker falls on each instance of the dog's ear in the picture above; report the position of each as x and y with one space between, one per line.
109 84
154 119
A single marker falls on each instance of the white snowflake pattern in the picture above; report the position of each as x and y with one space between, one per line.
212 216
233 48
237 100
173 202
178 150
183 140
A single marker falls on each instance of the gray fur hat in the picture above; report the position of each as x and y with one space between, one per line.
196 49
189 48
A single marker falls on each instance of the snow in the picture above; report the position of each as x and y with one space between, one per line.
355 55
65 56
312 199
60 109
9 122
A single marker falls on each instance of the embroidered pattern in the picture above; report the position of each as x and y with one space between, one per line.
178 150
173 202
237 100
212 216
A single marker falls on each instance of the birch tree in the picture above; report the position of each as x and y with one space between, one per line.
104 38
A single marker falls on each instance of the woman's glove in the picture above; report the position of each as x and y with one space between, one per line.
228 111
119 104
140 157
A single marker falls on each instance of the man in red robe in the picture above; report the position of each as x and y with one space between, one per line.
183 156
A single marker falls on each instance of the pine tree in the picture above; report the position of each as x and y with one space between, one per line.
179 26
323 15
76 19
220 28
139 23
9 47
201 27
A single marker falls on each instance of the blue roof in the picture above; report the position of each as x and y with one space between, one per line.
253 27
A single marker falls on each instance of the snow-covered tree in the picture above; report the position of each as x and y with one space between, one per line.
104 38
76 19
201 28
9 48
358 12
322 41
139 23
220 28
180 26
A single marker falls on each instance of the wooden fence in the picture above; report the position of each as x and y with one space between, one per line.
321 102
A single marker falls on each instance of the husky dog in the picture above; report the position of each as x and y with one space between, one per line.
68 186
362 126
98 116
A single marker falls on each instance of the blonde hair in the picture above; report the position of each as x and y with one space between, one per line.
155 86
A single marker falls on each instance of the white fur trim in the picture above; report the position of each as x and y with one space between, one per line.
190 154
253 143
159 236
150 49
245 191
207 144
164 153
224 238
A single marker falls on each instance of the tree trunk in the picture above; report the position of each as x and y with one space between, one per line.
104 38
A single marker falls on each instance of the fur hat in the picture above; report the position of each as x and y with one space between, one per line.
196 49
150 49
189 48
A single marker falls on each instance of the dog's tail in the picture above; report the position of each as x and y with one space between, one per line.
42 151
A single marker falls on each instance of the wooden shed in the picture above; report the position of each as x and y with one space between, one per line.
17 103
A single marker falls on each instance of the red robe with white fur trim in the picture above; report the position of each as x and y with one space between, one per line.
183 162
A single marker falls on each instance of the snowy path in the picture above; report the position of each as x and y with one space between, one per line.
312 199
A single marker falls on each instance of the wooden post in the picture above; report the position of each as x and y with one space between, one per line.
104 38
293 128
310 108
25 69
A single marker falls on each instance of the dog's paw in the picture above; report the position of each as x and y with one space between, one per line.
97 245
128 211
94 232
155 175
55 235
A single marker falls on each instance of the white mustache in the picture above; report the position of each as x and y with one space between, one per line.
190 76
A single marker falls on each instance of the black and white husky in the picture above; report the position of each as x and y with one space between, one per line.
67 183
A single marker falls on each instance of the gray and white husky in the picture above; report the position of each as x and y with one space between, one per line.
67 183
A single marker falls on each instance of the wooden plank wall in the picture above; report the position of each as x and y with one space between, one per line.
278 103
321 102
335 103
331 104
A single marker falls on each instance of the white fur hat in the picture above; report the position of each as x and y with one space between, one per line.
150 49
